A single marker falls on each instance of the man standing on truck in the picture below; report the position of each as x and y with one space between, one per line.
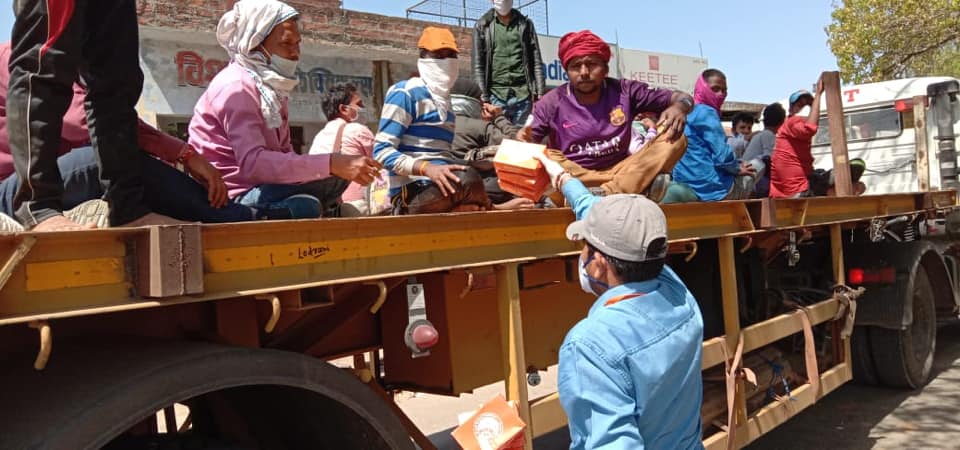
506 61
791 167
588 123
630 375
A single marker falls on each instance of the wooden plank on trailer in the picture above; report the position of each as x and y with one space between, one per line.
731 314
921 136
776 413
169 261
838 134
511 331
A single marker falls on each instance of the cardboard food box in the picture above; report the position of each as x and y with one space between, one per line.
519 173
495 426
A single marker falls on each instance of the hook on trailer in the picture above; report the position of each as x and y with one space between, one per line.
381 298
274 311
46 343
747 246
693 252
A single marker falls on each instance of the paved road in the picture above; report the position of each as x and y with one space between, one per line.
851 418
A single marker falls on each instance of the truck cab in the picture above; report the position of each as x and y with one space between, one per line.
881 130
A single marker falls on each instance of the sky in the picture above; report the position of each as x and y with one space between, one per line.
767 48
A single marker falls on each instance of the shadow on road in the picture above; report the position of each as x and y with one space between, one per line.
861 417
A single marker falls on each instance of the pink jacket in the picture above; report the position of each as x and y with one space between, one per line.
229 131
357 140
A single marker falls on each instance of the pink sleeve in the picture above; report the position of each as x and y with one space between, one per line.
258 164
357 140
158 143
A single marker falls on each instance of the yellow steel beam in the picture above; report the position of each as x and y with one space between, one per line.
778 412
547 414
787 213
511 332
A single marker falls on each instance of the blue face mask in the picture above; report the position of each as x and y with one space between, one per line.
586 281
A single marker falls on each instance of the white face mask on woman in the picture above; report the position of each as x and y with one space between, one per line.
439 75
359 113
503 7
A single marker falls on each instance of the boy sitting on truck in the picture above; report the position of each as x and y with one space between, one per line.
588 123
630 372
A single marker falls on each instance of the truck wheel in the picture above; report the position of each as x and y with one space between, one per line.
904 358
864 370
99 394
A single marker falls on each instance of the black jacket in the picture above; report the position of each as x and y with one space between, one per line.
475 134
483 54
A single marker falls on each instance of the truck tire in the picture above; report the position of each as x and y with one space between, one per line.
904 358
864 370
93 392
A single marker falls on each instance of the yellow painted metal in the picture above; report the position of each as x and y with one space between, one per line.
511 332
826 210
731 315
547 415
46 276
776 413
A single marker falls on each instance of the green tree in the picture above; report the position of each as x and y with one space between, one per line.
876 40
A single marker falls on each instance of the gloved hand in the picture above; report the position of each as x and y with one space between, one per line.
553 168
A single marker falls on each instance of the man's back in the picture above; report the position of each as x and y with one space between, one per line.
792 160
630 374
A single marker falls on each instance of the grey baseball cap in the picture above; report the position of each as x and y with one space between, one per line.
625 226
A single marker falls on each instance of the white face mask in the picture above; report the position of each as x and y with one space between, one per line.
804 112
360 113
439 75
284 66
503 7
586 281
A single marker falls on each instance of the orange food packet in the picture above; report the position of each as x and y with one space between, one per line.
495 426
519 172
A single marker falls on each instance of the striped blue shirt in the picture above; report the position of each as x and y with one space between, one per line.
412 128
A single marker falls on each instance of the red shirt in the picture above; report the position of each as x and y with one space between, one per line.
792 160
74 133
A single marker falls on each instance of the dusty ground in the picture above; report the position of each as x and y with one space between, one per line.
852 418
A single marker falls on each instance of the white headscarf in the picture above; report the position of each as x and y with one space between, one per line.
240 32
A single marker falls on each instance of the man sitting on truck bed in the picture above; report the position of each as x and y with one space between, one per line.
791 167
241 122
630 372
416 132
588 122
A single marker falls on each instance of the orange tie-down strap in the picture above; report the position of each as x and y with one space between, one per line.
847 299
732 372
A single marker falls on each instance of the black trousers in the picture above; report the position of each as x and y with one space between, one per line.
424 197
54 44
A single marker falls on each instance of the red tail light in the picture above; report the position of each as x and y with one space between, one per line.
855 276
904 105
883 275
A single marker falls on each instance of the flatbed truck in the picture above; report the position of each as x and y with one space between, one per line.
221 336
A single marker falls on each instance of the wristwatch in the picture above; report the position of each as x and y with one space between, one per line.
687 102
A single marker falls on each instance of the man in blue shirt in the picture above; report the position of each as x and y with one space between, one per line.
630 371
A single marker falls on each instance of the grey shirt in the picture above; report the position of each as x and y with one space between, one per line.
761 145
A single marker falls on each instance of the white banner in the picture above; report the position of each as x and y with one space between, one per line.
656 69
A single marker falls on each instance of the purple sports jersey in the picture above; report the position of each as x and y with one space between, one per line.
595 136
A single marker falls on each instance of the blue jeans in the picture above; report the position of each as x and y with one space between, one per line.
296 201
166 191
514 110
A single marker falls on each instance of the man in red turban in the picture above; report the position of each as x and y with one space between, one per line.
588 123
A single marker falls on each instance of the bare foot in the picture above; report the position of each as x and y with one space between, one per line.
517 203
154 219
60 223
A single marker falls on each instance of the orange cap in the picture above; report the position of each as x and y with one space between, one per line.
436 38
